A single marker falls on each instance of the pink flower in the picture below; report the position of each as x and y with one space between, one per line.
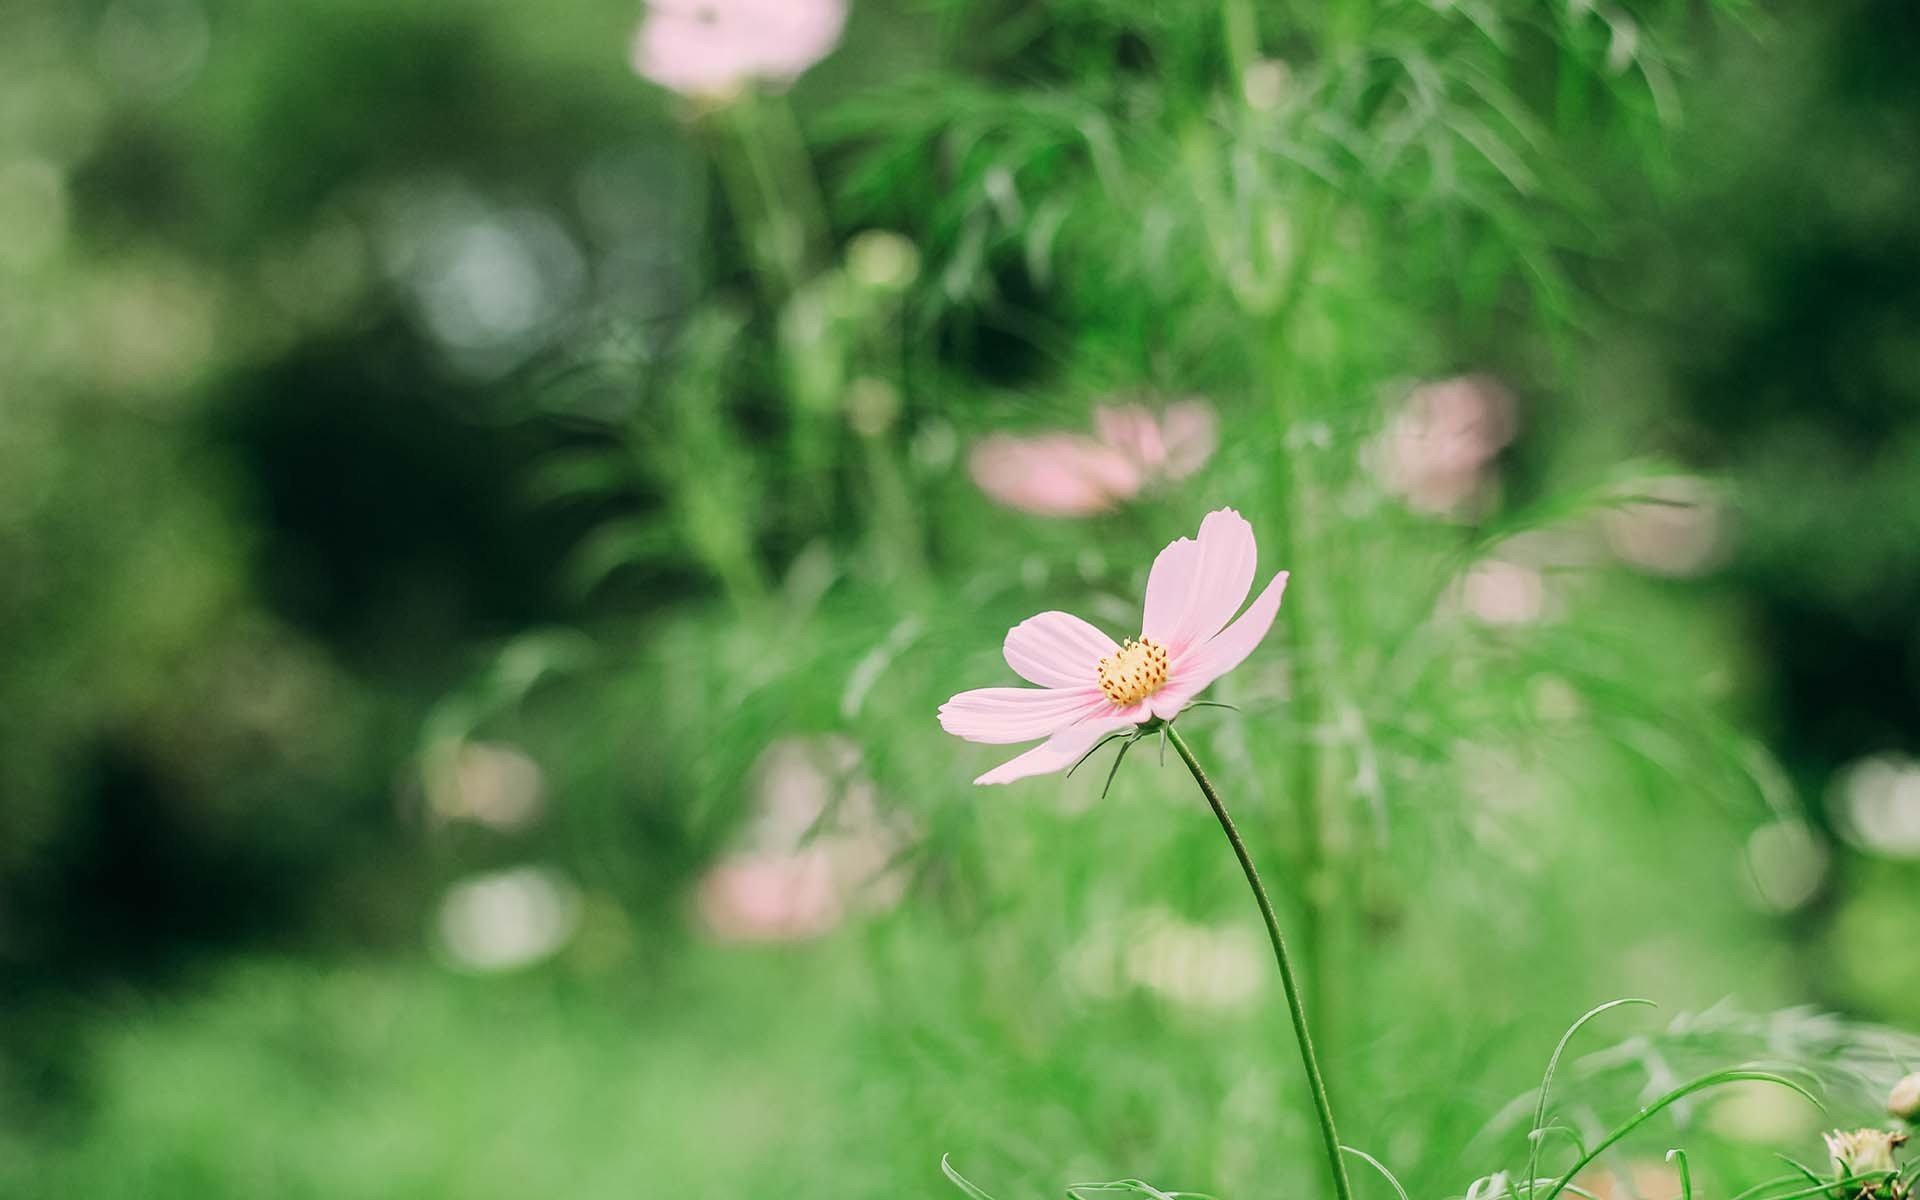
816 851
1072 475
1678 529
1437 451
713 48
772 897
1173 447
1054 475
1090 687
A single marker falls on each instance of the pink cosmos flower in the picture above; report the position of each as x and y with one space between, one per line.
1090 687
1072 475
817 851
712 48
1679 529
1438 450
1173 446
772 897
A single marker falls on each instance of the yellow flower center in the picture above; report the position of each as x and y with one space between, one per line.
1137 670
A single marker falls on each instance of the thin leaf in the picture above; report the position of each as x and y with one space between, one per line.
1678 1157
1117 760
961 1181
1136 1186
1801 1167
1379 1166
1764 1185
1715 1079
1871 1177
1579 1146
1546 1083
1091 752
1575 1188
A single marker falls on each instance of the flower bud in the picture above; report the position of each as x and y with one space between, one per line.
1905 1100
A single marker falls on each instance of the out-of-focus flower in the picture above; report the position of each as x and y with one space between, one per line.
711 49
490 783
1863 1151
1172 446
771 897
1072 475
1876 805
1787 864
1266 83
1437 450
1498 592
1904 1100
1678 528
507 919
1090 687
1054 475
815 850
1203 966
882 259
1196 966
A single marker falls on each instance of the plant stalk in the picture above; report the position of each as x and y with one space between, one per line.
1342 1186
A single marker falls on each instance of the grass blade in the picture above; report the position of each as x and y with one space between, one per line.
1546 1083
1381 1167
1712 1080
1801 1167
1678 1157
961 1181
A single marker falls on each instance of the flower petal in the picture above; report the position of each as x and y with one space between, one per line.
1169 588
1057 650
1132 430
1196 586
1189 676
1056 475
1064 748
1170 699
1004 714
1191 434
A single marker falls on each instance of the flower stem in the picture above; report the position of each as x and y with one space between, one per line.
1342 1186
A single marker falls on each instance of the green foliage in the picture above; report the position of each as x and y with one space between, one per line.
303 514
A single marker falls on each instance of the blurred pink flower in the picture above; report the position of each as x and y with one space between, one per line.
1436 451
1498 592
1072 475
1173 447
1054 475
1675 526
771 897
713 48
1090 687
815 850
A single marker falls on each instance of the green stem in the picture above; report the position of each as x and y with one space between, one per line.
892 499
731 148
782 225
1343 1188
799 182
1281 376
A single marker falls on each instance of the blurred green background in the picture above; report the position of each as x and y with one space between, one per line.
483 536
